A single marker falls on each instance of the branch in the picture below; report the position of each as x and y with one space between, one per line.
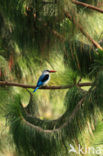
72 116
87 6
55 2
82 30
58 35
5 83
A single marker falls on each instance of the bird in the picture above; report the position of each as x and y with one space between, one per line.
43 79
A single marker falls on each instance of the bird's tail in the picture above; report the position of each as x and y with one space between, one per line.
35 89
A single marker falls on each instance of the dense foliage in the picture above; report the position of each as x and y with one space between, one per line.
37 35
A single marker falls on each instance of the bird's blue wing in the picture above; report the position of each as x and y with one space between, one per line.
42 79
40 83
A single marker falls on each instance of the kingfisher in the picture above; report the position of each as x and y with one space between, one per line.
43 79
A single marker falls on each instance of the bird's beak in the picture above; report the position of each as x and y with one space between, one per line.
52 71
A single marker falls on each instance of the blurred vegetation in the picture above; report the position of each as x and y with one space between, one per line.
36 35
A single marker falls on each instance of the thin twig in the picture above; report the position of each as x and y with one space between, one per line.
88 6
5 83
58 35
82 30
79 80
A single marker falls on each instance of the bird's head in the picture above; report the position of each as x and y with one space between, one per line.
48 71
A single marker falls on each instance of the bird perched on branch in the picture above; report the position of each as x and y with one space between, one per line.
44 78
